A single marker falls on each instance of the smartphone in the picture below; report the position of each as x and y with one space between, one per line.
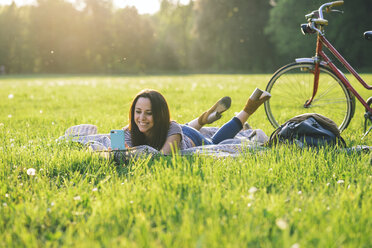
117 140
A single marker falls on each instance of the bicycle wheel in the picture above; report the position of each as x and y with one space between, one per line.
292 86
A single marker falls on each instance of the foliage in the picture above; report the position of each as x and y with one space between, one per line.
343 30
279 197
231 34
133 42
11 39
56 36
172 27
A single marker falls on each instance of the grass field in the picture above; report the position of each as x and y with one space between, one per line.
279 197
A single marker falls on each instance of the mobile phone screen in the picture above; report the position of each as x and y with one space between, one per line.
117 140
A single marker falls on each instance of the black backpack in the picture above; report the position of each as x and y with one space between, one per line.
312 130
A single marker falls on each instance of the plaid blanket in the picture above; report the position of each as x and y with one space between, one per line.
86 134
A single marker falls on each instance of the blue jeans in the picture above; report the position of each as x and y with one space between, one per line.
227 131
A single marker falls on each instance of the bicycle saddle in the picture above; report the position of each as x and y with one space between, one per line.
368 35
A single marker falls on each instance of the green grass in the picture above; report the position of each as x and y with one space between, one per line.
281 197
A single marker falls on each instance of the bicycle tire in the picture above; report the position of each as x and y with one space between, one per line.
292 85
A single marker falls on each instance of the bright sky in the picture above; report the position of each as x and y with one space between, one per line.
143 6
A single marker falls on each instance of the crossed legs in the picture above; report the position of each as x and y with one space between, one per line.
257 98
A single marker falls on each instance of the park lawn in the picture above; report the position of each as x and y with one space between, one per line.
278 197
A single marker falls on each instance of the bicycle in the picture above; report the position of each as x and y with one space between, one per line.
316 85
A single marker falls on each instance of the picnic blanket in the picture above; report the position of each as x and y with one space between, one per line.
250 139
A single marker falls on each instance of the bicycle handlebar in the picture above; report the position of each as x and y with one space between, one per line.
316 18
328 7
337 3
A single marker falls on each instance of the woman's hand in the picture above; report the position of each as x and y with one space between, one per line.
172 143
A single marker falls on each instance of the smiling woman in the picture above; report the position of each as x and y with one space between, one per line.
150 123
143 6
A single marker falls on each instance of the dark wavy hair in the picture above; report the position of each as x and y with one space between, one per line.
161 118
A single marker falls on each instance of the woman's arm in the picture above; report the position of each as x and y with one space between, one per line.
172 142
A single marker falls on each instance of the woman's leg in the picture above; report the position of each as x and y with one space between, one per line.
227 131
231 128
197 138
257 98
211 115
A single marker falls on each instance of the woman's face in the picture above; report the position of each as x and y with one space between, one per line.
143 115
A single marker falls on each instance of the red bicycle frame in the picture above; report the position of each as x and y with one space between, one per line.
321 40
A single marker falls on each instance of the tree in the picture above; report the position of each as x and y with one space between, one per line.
231 35
55 29
133 42
343 30
173 25
98 34
10 33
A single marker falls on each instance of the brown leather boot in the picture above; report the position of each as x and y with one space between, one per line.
214 113
255 100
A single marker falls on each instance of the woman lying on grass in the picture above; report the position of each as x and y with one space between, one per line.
150 123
